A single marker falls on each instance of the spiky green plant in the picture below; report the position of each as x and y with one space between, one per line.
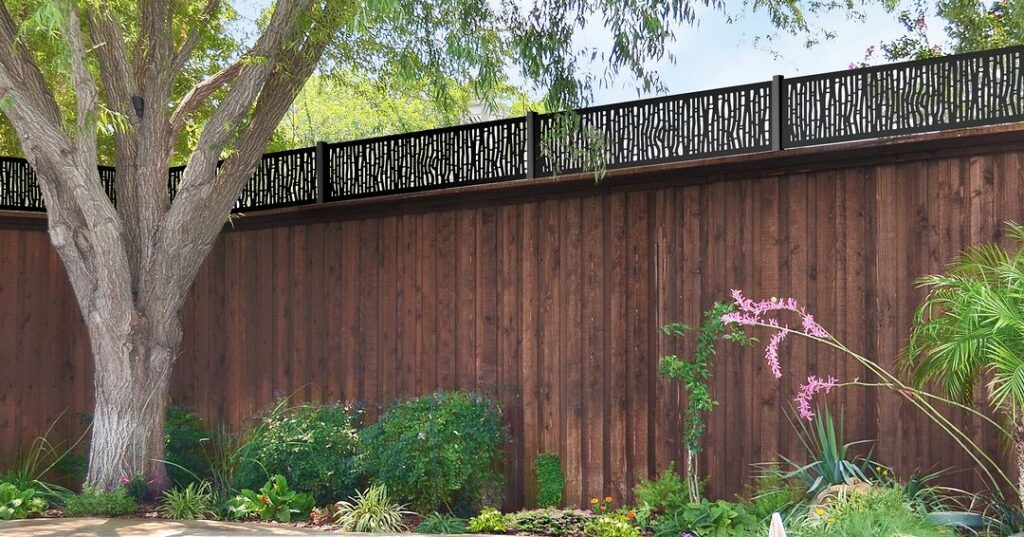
193 502
371 511
971 325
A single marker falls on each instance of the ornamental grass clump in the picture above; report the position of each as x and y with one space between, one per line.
370 511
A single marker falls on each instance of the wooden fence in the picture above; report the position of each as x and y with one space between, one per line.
548 294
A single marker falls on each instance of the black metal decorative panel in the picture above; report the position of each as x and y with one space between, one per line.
107 176
672 128
467 154
18 187
174 176
281 179
928 95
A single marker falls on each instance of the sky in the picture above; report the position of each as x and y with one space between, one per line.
718 53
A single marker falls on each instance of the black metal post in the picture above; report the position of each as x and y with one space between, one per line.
532 144
777 113
320 158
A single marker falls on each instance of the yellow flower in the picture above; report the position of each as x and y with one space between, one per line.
594 500
608 499
819 511
831 519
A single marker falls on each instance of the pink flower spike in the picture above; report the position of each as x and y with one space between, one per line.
807 392
812 328
771 352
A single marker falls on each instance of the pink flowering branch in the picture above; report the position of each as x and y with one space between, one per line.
765 313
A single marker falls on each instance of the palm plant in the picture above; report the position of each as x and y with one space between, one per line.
971 325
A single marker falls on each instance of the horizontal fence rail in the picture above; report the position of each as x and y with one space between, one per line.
965 90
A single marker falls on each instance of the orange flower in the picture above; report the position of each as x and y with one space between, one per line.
608 499
594 501
264 499
630 515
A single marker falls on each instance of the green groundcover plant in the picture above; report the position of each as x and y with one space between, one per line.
273 502
18 503
881 513
98 502
442 523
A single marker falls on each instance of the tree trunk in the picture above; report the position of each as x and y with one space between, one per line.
133 366
1018 444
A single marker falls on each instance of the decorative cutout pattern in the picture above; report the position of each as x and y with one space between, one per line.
673 128
18 187
982 88
928 95
281 179
467 154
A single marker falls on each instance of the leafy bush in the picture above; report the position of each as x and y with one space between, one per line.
194 502
553 522
608 526
491 520
16 503
881 513
667 494
437 451
98 502
550 481
706 519
274 501
442 523
370 511
313 447
185 436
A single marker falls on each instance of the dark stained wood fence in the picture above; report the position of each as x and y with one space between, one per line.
549 299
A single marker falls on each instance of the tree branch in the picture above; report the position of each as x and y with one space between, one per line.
181 57
200 92
86 94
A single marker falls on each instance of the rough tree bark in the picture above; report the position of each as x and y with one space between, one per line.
131 266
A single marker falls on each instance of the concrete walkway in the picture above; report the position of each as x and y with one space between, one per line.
139 527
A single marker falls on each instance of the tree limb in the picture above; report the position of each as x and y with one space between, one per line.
86 94
200 92
182 55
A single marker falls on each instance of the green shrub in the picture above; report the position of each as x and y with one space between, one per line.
666 495
610 526
313 447
881 513
772 494
136 487
18 503
370 511
550 481
437 451
194 502
491 520
442 523
706 519
553 522
98 502
185 436
274 501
